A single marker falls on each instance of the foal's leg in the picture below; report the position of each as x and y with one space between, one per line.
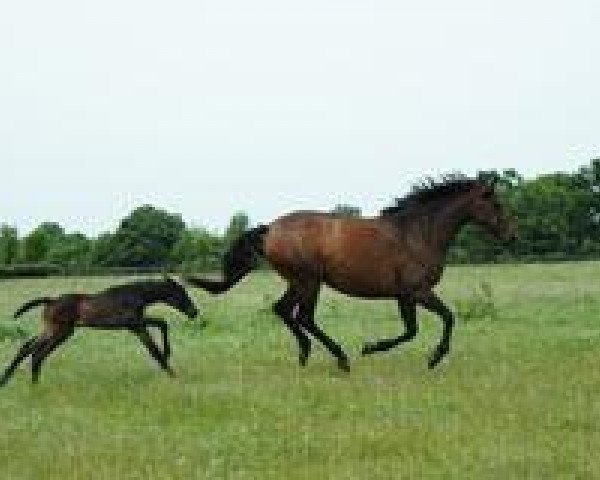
164 328
22 354
408 313
432 303
308 294
46 348
137 326
284 308
146 339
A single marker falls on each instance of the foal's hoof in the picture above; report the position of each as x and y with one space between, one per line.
344 364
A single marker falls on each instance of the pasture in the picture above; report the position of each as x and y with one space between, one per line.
518 397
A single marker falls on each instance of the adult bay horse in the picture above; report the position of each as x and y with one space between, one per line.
118 307
400 254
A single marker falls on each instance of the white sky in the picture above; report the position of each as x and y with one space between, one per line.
209 106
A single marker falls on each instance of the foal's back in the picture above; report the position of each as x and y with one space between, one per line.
79 308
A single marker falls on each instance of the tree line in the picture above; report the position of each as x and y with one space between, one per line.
558 216
147 238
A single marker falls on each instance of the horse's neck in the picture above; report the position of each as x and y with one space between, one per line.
445 223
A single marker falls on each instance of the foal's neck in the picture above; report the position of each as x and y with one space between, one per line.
156 294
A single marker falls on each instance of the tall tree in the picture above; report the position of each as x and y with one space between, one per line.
37 244
73 250
197 247
9 244
144 238
346 210
238 224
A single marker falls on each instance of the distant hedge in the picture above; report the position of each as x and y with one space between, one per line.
30 270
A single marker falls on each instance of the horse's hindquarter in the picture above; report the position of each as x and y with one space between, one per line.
292 245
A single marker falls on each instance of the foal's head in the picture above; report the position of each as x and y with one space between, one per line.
177 297
486 210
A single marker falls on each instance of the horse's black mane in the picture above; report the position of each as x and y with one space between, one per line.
428 191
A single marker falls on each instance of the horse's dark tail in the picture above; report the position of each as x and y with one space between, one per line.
238 261
32 304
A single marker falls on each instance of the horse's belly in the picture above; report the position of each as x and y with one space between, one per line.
363 280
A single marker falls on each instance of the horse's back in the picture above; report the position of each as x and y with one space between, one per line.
353 255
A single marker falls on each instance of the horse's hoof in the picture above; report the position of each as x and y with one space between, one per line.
303 359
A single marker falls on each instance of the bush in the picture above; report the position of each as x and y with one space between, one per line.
479 305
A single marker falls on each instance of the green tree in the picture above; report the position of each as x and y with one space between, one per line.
144 238
102 249
553 211
9 244
37 244
346 210
72 250
197 248
238 224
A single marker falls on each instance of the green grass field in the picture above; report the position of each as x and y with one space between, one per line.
518 396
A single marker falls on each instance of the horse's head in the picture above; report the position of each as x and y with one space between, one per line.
178 298
486 210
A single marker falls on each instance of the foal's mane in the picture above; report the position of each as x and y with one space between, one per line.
428 192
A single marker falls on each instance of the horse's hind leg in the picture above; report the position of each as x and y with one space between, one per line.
408 313
284 308
22 354
432 303
45 347
308 294
146 339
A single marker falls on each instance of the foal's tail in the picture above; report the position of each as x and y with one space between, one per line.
239 260
32 304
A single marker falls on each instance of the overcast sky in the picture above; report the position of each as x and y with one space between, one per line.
205 107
